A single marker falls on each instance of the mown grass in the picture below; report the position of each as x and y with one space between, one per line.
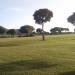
32 56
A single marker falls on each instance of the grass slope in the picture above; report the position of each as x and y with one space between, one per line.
31 56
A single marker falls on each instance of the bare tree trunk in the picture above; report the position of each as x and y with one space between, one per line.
43 36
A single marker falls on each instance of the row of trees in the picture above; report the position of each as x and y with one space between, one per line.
24 30
58 30
55 30
28 30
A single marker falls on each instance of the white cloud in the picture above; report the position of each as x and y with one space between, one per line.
16 9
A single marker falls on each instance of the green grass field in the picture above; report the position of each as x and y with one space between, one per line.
32 56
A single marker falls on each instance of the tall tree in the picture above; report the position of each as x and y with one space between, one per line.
41 16
26 29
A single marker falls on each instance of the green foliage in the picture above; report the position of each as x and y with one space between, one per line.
71 18
58 30
2 30
42 15
11 32
26 29
39 30
65 29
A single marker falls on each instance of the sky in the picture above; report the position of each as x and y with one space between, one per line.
16 13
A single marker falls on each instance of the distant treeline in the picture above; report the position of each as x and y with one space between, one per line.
27 30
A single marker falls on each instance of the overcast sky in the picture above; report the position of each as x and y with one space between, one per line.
16 13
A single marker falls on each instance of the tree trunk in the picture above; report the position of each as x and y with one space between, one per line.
43 36
12 35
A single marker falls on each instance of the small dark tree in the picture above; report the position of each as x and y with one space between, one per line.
11 32
2 30
41 16
39 30
26 29
53 31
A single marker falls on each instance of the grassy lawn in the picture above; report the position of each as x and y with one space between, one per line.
32 56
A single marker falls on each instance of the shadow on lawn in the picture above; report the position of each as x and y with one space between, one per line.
25 65
68 73
8 45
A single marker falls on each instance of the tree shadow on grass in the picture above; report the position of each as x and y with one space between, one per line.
8 45
68 73
25 65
